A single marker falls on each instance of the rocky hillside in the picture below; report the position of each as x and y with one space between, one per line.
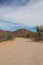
23 33
8 35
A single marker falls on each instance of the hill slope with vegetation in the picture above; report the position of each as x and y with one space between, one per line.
8 35
23 33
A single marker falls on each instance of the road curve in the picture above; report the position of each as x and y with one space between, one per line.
21 51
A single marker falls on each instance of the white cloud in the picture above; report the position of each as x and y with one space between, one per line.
30 14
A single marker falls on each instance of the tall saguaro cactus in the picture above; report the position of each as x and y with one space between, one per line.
39 30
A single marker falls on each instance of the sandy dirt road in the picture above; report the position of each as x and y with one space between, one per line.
21 51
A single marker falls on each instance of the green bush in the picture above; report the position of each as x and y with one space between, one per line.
27 36
6 36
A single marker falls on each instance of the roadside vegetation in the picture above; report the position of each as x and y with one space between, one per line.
6 35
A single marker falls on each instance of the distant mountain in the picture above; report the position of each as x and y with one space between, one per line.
23 33
9 35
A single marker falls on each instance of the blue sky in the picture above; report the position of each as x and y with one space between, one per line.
15 14
14 26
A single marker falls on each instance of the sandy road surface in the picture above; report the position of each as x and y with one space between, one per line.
21 52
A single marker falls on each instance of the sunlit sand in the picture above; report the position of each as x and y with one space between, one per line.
21 51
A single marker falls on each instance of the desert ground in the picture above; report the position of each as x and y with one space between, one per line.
21 51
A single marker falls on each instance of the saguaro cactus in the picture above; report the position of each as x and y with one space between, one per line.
39 30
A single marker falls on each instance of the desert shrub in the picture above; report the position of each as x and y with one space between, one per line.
10 37
6 36
27 36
